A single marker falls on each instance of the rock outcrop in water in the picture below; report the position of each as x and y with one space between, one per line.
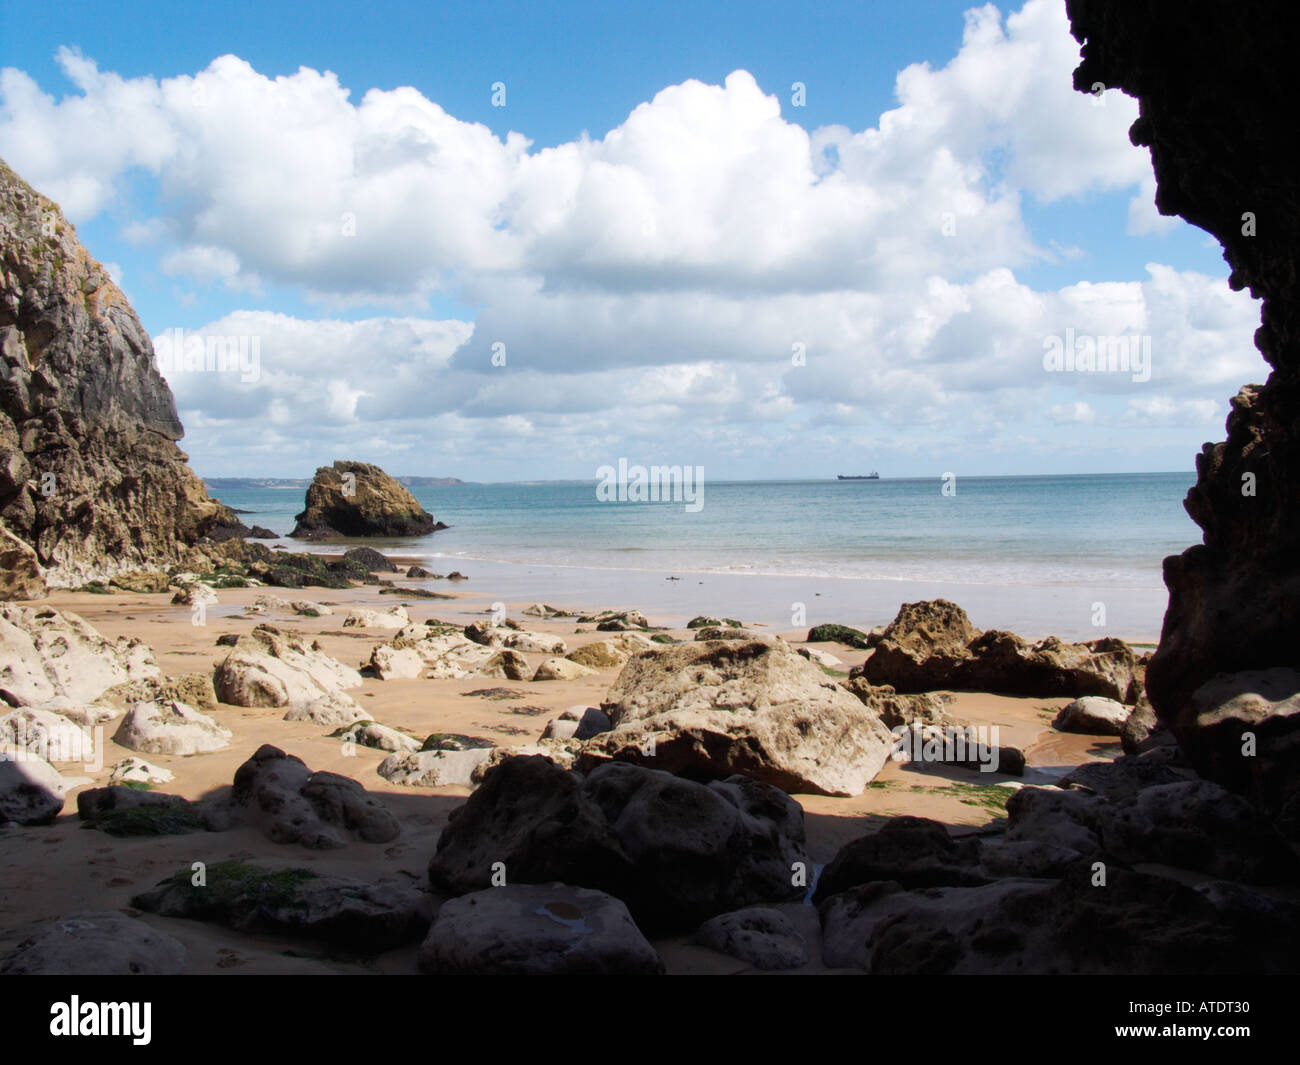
357 499
1217 87
90 474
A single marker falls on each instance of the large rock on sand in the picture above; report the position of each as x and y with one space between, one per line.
1093 716
96 944
676 851
291 804
357 499
537 929
31 790
757 708
360 915
932 646
170 727
274 667
45 654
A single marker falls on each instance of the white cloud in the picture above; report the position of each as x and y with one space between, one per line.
653 283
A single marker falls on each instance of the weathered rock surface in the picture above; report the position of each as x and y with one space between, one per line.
96 944
45 654
1234 600
580 723
31 790
377 736
763 937
932 646
506 665
360 915
1093 716
537 929
1137 923
21 574
357 499
90 474
562 669
170 727
393 618
612 652
274 667
291 804
435 769
675 851
718 708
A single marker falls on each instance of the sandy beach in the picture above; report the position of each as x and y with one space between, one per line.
62 868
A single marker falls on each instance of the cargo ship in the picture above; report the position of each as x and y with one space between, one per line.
872 476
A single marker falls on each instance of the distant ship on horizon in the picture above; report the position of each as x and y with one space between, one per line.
872 476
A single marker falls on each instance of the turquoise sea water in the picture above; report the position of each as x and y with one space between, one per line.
1036 553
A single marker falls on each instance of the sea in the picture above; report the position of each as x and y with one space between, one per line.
1077 556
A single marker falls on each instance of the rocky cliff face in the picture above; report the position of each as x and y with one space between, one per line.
90 474
1217 85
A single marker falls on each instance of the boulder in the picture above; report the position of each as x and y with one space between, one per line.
756 708
357 499
506 665
291 804
31 790
256 899
193 594
537 929
331 708
170 727
761 936
96 944
393 618
372 560
1093 716
273 667
435 769
48 735
580 723
45 653
676 851
612 652
840 634
379 737
545 610
388 662
932 646
561 669
1136 924
132 770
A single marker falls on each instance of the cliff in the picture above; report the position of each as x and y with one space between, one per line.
90 473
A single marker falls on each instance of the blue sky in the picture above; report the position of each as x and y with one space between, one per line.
637 338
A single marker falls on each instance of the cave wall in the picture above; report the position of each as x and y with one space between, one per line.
1218 85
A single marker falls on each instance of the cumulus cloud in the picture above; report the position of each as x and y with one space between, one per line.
707 272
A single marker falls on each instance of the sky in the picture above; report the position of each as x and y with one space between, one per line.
516 241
